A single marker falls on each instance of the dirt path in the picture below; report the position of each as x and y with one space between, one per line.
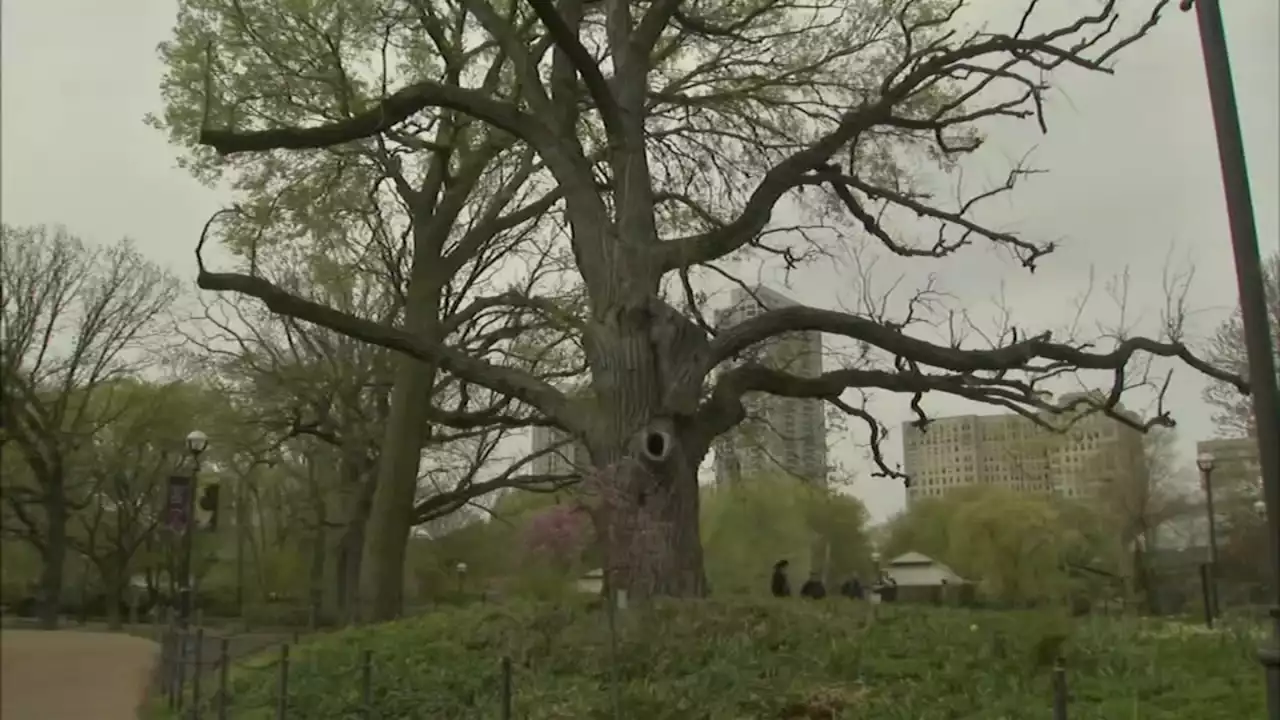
69 675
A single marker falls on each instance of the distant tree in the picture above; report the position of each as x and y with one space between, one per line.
1233 412
130 460
750 524
77 318
1019 547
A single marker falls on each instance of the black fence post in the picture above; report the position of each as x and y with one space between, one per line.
366 684
181 659
224 663
1059 690
506 688
166 665
197 666
282 700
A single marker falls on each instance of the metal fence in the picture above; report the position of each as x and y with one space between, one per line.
195 671
195 683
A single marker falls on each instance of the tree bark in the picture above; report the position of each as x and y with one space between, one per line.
647 445
315 578
350 547
647 520
114 580
54 556
381 584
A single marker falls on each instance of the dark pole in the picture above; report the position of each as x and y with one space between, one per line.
1253 304
1207 475
1206 595
188 540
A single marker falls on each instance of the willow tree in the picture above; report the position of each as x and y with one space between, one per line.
666 135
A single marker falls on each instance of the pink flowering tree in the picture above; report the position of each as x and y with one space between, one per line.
560 533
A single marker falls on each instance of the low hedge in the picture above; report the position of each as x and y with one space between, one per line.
737 660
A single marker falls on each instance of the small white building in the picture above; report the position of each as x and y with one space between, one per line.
592 582
915 569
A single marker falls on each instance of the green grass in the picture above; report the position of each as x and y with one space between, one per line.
741 660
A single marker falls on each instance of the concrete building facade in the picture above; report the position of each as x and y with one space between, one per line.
1013 451
1237 468
780 435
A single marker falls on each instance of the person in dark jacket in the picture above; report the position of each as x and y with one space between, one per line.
779 584
813 588
852 588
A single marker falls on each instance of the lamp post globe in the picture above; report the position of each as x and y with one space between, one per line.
1204 461
197 441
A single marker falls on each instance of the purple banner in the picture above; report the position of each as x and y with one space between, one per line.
177 500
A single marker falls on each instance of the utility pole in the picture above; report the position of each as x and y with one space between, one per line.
1253 303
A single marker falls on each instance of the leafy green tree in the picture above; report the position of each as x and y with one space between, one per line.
749 525
1019 547
77 319
430 208
660 140
131 457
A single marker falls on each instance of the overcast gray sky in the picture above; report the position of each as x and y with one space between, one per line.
1134 172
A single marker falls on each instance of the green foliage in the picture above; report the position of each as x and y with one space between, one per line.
495 551
1017 546
761 659
750 525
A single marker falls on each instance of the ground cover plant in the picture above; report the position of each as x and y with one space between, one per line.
722 660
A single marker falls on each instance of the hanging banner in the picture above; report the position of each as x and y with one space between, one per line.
177 500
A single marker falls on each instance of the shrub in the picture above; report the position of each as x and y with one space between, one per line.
763 659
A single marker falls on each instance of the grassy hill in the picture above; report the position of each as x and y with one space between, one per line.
718 660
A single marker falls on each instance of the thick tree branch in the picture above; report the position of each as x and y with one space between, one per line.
566 41
388 113
738 338
506 380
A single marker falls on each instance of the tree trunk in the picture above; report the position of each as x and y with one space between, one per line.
381 584
647 520
316 577
54 556
646 447
347 577
114 580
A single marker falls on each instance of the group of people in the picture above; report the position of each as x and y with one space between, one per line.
814 588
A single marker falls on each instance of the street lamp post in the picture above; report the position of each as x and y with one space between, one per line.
876 585
1205 462
1253 303
196 444
461 568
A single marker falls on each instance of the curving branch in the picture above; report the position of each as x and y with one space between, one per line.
1019 355
385 115
511 381
566 41
923 69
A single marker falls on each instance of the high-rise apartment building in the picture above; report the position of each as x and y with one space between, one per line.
780 434
1013 451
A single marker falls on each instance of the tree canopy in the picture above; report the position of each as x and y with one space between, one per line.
634 149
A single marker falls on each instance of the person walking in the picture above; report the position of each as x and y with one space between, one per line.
780 584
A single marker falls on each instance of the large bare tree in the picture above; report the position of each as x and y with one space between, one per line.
661 138
76 318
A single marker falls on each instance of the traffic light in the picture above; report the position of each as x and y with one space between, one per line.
207 507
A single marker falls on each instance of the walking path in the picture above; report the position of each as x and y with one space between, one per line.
70 675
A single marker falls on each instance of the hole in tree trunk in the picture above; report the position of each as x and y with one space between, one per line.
657 445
